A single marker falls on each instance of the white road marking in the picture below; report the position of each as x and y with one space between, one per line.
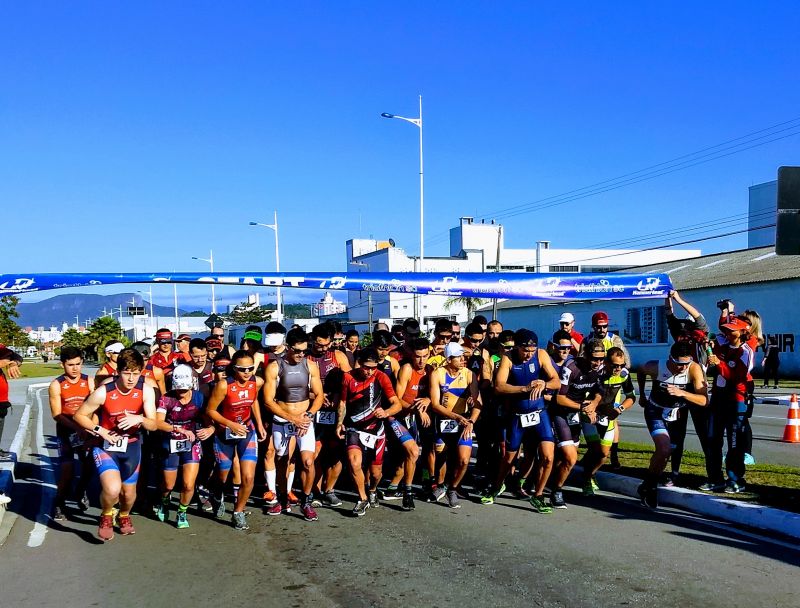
37 535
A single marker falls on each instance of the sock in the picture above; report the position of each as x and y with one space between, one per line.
270 475
125 514
182 508
236 490
165 500
289 481
108 511
614 452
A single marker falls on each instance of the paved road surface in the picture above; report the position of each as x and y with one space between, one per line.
605 551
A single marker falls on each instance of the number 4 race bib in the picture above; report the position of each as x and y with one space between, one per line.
120 445
530 419
368 440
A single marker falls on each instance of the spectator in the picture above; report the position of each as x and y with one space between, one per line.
567 323
771 361
9 362
694 328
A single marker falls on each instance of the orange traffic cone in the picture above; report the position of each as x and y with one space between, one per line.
791 434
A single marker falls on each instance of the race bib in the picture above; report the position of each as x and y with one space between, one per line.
75 440
229 434
326 417
602 420
670 414
368 440
179 445
120 445
573 418
530 419
448 426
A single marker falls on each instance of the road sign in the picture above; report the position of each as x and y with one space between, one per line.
213 321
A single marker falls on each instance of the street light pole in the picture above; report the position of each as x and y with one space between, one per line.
418 123
210 260
278 299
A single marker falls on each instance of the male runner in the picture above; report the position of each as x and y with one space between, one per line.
67 393
123 406
289 382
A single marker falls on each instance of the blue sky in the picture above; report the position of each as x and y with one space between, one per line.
132 138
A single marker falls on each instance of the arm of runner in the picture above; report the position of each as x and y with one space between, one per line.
341 359
649 369
402 384
502 386
699 393
255 408
316 388
546 363
54 393
83 417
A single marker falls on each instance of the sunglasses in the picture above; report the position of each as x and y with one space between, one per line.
598 359
600 326
369 368
243 369
563 347
297 351
680 363
617 366
508 346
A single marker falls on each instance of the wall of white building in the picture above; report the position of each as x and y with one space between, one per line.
774 301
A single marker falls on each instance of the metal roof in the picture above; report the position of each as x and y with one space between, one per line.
741 267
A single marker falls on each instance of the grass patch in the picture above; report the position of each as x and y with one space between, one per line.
40 370
767 484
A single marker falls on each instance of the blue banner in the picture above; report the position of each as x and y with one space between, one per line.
522 286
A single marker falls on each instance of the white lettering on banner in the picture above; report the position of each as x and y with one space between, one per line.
120 445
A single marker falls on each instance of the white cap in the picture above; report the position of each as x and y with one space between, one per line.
567 318
182 378
116 347
453 349
274 339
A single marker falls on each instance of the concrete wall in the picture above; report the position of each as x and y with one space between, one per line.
774 301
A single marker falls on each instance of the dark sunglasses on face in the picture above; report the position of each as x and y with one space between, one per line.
508 346
681 363
243 369
297 351
617 366
598 359
600 326
563 347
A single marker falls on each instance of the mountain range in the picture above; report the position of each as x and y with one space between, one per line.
64 308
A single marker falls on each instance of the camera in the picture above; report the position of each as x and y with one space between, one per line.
723 304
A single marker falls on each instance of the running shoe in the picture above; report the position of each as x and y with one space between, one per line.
557 500
58 514
239 521
521 492
182 521
732 487
595 487
286 509
309 514
373 500
270 498
489 497
162 511
438 493
408 502
220 510
83 502
292 498
452 499
106 529
648 496
391 493
126 525
666 481
275 509
588 488
316 502
206 505
539 505
361 508
615 465
712 487
748 459
329 499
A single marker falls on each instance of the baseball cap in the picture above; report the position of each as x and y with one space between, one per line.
453 349
736 324
115 347
182 378
164 337
183 337
599 318
213 344
567 317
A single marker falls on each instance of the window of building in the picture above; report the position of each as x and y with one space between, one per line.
646 325
564 268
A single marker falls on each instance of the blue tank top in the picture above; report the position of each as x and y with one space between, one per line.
521 374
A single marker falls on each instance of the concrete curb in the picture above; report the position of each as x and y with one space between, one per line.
776 400
8 467
732 511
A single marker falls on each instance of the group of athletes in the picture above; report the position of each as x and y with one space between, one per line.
197 417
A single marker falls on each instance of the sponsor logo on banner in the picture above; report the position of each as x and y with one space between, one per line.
649 287
17 285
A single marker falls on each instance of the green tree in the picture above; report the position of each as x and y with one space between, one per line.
72 337
10 332
471 304
101 331
245 314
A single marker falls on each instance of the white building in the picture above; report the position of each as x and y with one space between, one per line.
144 326
328 306
476 247
40 334
754 279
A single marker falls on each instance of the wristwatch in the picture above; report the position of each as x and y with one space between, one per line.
96 428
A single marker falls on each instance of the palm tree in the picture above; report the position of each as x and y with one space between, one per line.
471 304
101 331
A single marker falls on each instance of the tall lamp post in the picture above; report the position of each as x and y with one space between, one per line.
210 260
418 123
278 300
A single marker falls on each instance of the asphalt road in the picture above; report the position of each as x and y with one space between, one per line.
602 551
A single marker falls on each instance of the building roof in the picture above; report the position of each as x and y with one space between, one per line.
740 267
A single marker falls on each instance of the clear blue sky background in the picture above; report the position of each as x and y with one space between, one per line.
133 137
